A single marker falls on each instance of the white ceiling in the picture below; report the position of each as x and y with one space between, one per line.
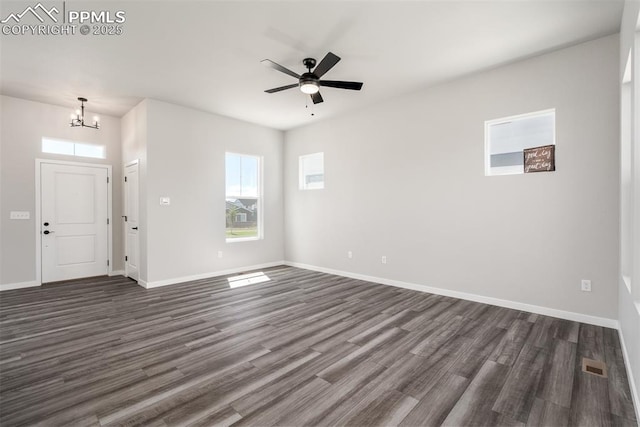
206 55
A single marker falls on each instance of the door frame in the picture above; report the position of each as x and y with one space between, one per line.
38 213
125 210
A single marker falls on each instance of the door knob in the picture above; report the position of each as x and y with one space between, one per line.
47 232
46 224
134 228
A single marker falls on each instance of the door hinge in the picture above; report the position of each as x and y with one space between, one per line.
107 221
125 179
107 180
107 263
126 258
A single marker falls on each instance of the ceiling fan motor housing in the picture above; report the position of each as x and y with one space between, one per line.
308 78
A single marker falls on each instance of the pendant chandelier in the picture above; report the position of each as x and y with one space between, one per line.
77 118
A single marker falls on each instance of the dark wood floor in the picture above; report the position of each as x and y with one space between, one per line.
302 349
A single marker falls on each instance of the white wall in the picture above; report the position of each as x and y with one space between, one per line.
629 293
405 179
185 155
22 126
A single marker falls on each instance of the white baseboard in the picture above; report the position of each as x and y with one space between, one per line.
632 384
167 282
21 285
116 273
568 315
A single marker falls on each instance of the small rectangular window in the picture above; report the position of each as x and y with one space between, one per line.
243 197
88 150
312 171
77 149
506 138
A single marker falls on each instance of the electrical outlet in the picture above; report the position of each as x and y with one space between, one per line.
384 259
219 254
585 285
349 254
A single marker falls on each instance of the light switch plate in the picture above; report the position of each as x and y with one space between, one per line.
20 215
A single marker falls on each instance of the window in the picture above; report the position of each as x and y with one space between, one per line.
312 171
243 216
506 138
78 149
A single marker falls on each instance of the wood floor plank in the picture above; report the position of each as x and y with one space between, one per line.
434 407
509 348
304 348
389 409
556 383
545 413
519 390
474 408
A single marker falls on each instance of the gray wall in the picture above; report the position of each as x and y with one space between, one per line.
405 179
22 126
182 157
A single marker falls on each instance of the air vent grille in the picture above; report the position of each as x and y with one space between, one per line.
594 367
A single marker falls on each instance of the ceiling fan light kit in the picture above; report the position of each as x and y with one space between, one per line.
309 87
309 82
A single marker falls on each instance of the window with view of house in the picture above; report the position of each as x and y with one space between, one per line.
508 137
243 200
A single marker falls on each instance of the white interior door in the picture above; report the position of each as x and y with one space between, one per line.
73 213
132 255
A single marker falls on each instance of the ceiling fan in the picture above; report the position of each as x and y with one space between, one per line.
310 82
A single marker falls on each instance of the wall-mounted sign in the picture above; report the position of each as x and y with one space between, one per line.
540 159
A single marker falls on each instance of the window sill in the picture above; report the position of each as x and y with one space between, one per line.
243 239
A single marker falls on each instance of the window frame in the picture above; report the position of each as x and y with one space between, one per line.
73 146
302 185
259 199
487 136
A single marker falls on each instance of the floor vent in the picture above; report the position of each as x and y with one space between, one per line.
594 367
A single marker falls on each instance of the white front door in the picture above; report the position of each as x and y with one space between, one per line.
73 229
131 219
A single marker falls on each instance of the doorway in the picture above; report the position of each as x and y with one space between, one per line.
131 220
73 220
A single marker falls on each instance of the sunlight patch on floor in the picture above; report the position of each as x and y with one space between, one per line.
247 279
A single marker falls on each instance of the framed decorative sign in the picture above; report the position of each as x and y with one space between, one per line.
540 159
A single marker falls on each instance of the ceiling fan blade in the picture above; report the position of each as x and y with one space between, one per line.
341 85
269 63
317 98
278 89
326 64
